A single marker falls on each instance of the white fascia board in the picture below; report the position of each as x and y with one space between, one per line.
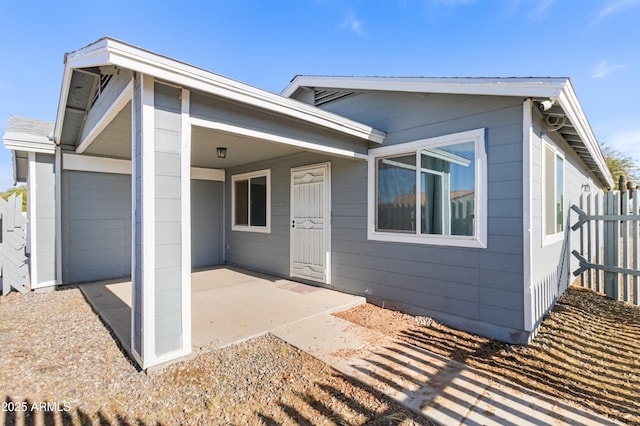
90 56
93 164
19 141
200 173
118 105
109 51
256 134
526 87
87 163
569 103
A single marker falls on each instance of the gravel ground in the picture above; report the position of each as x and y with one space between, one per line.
587 351
54 350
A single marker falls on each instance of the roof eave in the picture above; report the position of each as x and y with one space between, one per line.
569 103
557 89
17 141
108 51
525 87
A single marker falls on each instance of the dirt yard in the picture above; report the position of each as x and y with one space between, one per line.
587 351
59 362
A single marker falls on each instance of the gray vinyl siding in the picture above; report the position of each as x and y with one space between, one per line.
206 223
168 219
45 218
480 290
267 252
96 226
552 263
224 111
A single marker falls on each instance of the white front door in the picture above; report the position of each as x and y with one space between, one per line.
311 222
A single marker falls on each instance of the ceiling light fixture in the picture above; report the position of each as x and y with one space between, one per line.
221 151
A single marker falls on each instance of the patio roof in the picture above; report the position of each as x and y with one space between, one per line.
87 68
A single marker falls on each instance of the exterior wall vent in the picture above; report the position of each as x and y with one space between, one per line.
324 96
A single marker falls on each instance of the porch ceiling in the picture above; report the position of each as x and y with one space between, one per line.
115 142
240 150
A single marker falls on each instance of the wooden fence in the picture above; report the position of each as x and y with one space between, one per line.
13 260
609 244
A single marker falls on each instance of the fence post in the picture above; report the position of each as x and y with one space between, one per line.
611 243
598 228
634 260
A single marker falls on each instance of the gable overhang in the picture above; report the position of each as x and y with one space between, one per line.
111 52
559 91
20 144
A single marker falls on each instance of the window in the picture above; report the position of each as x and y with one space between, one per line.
553 191
430 191
251 205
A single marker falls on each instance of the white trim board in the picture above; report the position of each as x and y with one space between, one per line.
527 213
19 141
33 226
118 105
185 228
148 220
256 134
476 136
88 163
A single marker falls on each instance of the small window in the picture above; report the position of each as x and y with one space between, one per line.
553 191
430 191
251 201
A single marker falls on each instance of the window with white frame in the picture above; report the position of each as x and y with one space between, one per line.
553 190
250 201
431 191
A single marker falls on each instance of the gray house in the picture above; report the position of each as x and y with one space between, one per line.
441 197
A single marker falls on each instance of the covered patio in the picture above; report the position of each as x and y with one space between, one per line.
229 305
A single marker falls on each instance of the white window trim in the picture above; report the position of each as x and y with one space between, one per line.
557 236
476 136
248 228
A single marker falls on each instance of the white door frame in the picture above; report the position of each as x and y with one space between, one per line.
327 216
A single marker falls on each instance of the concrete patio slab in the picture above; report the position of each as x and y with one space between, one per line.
228 305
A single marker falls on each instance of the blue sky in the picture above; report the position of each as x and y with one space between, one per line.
266 43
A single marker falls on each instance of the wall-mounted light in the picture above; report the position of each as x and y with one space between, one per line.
586 187
221 152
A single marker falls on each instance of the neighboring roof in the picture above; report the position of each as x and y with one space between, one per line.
25 135
108 51
575 128
28 134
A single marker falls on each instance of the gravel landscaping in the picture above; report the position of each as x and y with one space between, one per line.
60 365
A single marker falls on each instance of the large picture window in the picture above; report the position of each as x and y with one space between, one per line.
250 193
553 191
430 191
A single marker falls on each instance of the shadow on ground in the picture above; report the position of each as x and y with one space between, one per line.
586 352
